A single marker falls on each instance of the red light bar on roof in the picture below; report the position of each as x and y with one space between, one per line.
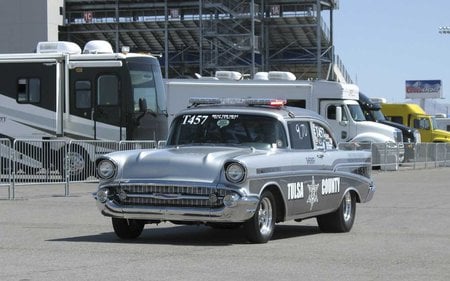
238 101
265 101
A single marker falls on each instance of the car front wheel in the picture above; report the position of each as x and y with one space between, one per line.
260 227
127 228
342 219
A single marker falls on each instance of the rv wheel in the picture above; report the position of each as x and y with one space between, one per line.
75 165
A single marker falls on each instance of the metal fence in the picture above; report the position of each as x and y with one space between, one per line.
34 162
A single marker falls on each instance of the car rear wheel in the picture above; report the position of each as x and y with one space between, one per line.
259 229
127 228
342 219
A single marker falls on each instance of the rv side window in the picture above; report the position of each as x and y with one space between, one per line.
108 90
28 90
83 93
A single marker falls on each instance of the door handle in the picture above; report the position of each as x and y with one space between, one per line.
320 156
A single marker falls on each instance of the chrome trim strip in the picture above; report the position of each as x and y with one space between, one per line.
163 196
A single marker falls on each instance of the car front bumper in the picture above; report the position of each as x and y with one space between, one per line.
243 210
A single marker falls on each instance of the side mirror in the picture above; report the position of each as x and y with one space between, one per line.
142 105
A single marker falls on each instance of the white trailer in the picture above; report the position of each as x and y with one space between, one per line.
337 102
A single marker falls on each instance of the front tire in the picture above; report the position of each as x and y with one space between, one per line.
127 228
342 219
259 229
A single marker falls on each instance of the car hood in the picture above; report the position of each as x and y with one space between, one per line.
196 164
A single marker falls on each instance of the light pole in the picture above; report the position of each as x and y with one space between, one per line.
445 30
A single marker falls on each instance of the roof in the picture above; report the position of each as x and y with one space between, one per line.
284 112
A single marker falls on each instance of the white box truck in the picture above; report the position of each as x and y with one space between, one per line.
337 102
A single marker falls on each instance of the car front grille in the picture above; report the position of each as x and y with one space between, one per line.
170 196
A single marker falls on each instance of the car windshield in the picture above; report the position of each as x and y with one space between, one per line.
235 129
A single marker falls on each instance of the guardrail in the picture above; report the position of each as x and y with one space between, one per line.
33 162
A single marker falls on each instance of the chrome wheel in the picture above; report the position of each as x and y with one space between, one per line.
347 207
260 227
342 219
265 216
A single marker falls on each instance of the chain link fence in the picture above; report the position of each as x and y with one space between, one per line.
38 162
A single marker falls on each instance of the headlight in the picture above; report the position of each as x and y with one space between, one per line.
230 200
235 172
106 169
102 195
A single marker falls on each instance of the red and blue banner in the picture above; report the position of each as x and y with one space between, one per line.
423 89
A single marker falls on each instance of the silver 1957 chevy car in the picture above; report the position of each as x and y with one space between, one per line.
232 163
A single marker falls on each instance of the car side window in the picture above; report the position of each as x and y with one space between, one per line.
322 137
300 135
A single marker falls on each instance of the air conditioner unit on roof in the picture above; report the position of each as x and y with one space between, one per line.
261 76
281 75
98 47
228 75
58 47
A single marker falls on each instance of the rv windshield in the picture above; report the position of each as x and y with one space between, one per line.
147 84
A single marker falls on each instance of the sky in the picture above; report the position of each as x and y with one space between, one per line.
382 43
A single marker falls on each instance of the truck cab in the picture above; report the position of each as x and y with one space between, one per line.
372 112
414 116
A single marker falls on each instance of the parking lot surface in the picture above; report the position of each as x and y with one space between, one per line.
402 234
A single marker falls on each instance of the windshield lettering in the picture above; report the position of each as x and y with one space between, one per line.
194 119
239 129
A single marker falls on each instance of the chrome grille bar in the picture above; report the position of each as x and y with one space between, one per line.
172 196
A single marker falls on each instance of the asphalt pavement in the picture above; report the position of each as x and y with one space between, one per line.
402 234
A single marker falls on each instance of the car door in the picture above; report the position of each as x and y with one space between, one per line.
313 146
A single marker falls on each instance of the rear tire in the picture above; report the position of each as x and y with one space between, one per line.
76 164
342 219
260 228
127 228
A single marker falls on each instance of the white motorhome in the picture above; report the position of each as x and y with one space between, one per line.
62 92
337 102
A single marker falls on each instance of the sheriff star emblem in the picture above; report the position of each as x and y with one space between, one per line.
312 197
